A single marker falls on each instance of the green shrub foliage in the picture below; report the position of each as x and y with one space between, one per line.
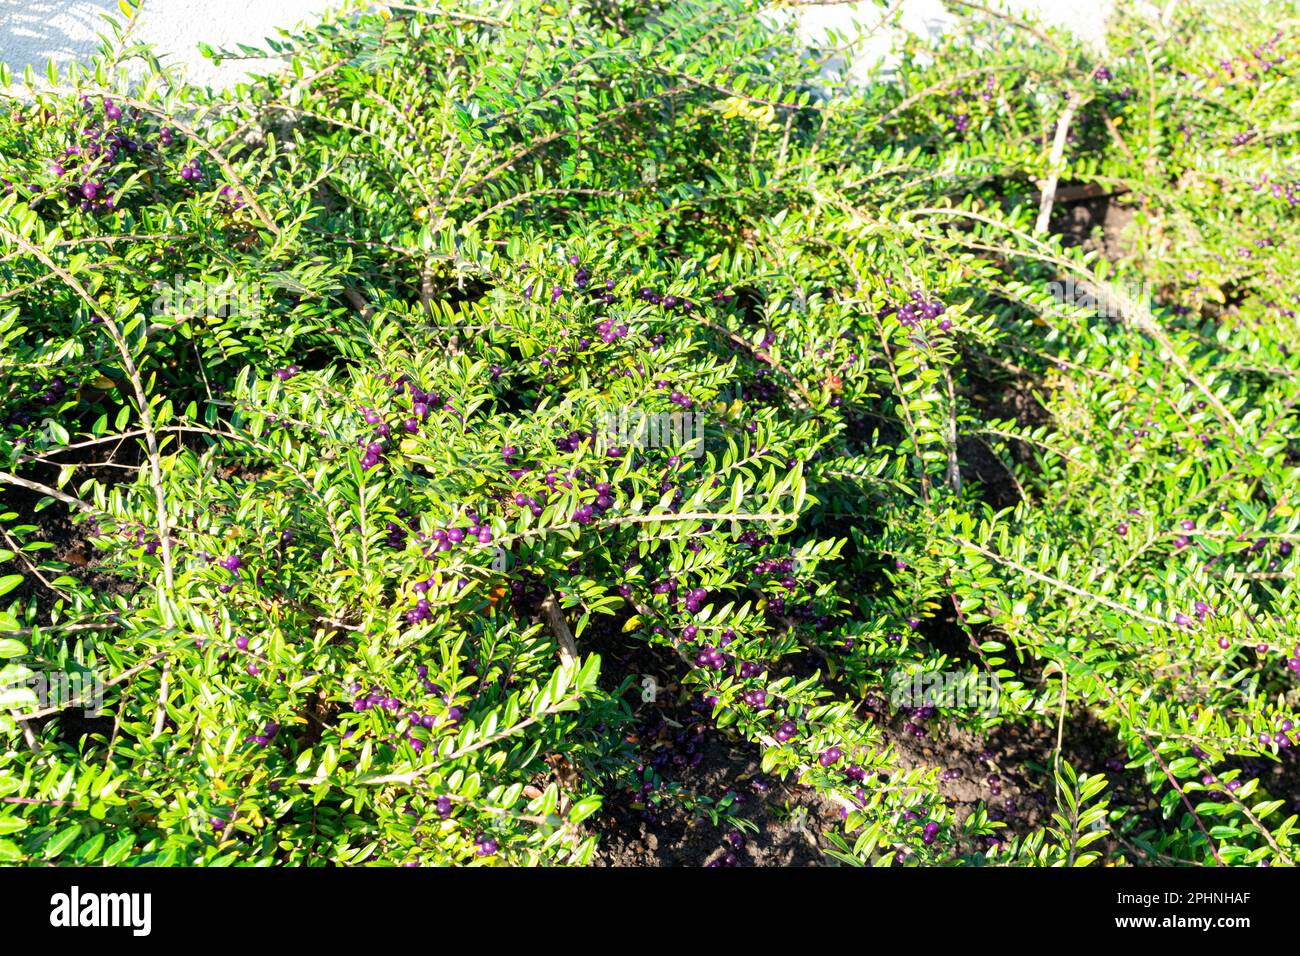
349 412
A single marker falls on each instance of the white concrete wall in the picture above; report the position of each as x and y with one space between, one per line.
873 54
34 31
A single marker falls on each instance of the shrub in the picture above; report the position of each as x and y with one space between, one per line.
650 338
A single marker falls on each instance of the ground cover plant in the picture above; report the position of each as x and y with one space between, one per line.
561 433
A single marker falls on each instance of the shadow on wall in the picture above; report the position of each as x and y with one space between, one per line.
831 29
33 32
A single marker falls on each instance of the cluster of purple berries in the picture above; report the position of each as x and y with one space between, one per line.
269 732
445 539
96 156
230 200
666 301
915 717
1283 735
1290 191
370 458
695 600
609 332
711 657
1258 60
377 699
572 441
143 539
671 745
35 408
678 397
916 309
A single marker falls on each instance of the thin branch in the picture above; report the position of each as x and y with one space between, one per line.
560 628
1072 104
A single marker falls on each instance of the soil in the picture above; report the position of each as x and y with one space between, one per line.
70 554
698 767
70 549
978 459
1097 224
789 821
1008 770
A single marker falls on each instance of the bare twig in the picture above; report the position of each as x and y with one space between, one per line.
1072 104
560 628
8 479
